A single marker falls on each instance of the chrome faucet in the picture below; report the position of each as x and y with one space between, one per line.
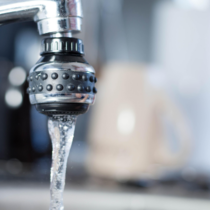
53 17
61 82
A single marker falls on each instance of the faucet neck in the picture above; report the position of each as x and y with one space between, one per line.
62 45
57 17
59 35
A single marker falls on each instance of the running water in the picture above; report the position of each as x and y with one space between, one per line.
61 130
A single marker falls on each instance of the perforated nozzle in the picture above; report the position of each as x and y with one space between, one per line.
62 82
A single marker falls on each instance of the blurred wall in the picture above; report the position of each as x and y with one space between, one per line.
182 48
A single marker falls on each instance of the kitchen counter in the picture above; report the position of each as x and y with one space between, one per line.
36 197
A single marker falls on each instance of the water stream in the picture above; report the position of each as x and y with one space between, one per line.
61 130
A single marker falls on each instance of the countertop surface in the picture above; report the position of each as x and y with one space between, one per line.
36 197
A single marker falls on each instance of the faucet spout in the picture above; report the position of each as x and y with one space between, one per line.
52 16
70 88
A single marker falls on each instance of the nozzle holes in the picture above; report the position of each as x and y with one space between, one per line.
94 90
92 79
54 75
75 76
84 78
49 87
44 76
33 89
70 87
80 88
59 87
65 76
30 78
28 90
88 89
40 88
95 80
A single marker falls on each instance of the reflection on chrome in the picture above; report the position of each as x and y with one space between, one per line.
74 66
52 16
62 98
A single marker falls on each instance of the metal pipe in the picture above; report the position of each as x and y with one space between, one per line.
52 16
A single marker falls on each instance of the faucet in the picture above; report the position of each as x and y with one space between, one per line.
61 82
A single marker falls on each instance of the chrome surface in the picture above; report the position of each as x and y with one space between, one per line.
64 34
62 98
74 66
52 16
53 25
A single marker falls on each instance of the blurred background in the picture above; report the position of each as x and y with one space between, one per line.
145 143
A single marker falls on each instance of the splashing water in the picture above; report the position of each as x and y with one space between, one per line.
61 130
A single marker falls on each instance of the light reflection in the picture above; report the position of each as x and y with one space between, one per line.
13 98
126 121
17 76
